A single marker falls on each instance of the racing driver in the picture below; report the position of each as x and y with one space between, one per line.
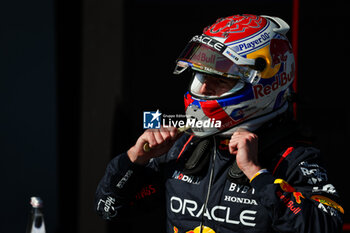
251 171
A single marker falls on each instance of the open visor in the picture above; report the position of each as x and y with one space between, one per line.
205 57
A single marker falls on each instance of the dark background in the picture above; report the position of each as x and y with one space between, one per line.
76 76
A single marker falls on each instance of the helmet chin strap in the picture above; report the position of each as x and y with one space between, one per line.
254 124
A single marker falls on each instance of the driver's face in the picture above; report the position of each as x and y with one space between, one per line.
214 86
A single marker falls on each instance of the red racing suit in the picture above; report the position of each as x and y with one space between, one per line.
292 195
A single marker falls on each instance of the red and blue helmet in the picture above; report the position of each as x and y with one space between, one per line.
251 49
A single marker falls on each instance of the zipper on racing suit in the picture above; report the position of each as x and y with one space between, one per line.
209 187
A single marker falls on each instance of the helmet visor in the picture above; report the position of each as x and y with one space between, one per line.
204 58
206 86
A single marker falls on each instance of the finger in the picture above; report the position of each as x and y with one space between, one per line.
173 132
243 130
168 134
232 146
158 137
150 138
236 137
233 150
165 133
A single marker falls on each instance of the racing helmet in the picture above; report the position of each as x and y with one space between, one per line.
254 52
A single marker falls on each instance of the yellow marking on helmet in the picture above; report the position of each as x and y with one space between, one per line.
264 53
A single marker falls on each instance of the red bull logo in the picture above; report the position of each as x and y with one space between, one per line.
288 203
298 196
205 58
204 230
288 188
224 144
280 81
279 49
284 185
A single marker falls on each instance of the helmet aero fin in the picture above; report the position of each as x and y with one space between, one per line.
282 28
